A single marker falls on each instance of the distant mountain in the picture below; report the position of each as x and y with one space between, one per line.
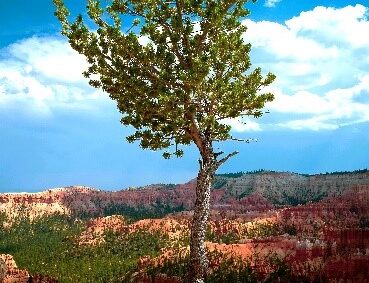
238 192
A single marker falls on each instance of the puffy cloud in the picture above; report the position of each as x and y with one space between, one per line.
49 57
284 43
335 108
321 59
242 125
303 102
40 74
345 26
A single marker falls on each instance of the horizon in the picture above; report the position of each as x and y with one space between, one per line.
57 130
253 172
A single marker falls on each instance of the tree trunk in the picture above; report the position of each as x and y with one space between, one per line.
198 258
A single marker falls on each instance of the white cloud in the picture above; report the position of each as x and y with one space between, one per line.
284 43
302 102
338 107
41 74
144 40
347 25
50 57
242 125
271 3
314 124
321 59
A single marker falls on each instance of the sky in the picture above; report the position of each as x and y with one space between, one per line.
55 130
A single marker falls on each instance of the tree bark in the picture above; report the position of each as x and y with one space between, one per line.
198 258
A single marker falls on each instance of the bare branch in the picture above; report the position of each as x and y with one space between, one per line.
216 154
220 162
243 140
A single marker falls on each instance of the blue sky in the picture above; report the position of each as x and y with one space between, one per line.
58 131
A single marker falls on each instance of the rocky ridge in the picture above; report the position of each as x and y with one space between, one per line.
290 188
10 273
243 193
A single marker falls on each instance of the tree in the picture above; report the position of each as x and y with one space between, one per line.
179 86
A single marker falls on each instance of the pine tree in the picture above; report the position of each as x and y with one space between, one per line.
176 69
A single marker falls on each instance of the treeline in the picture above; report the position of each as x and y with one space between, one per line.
158 209
360 171
132 213
241 173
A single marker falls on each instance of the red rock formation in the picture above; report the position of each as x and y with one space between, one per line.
84 200
329 234
352 269
96 228
13 274
38 278
350 238
341 212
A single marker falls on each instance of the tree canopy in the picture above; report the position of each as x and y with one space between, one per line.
176 69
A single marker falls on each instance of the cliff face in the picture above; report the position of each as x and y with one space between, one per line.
291 188
86 201
49 202
242 193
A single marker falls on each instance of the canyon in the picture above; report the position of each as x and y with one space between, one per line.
317 225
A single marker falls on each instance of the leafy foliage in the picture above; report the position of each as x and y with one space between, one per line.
364 222
241 173
289 229
302 196
262 230
192 73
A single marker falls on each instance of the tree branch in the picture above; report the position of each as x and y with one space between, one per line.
201 38
169 31
216 154
242 140
185 40
220 162
174 48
